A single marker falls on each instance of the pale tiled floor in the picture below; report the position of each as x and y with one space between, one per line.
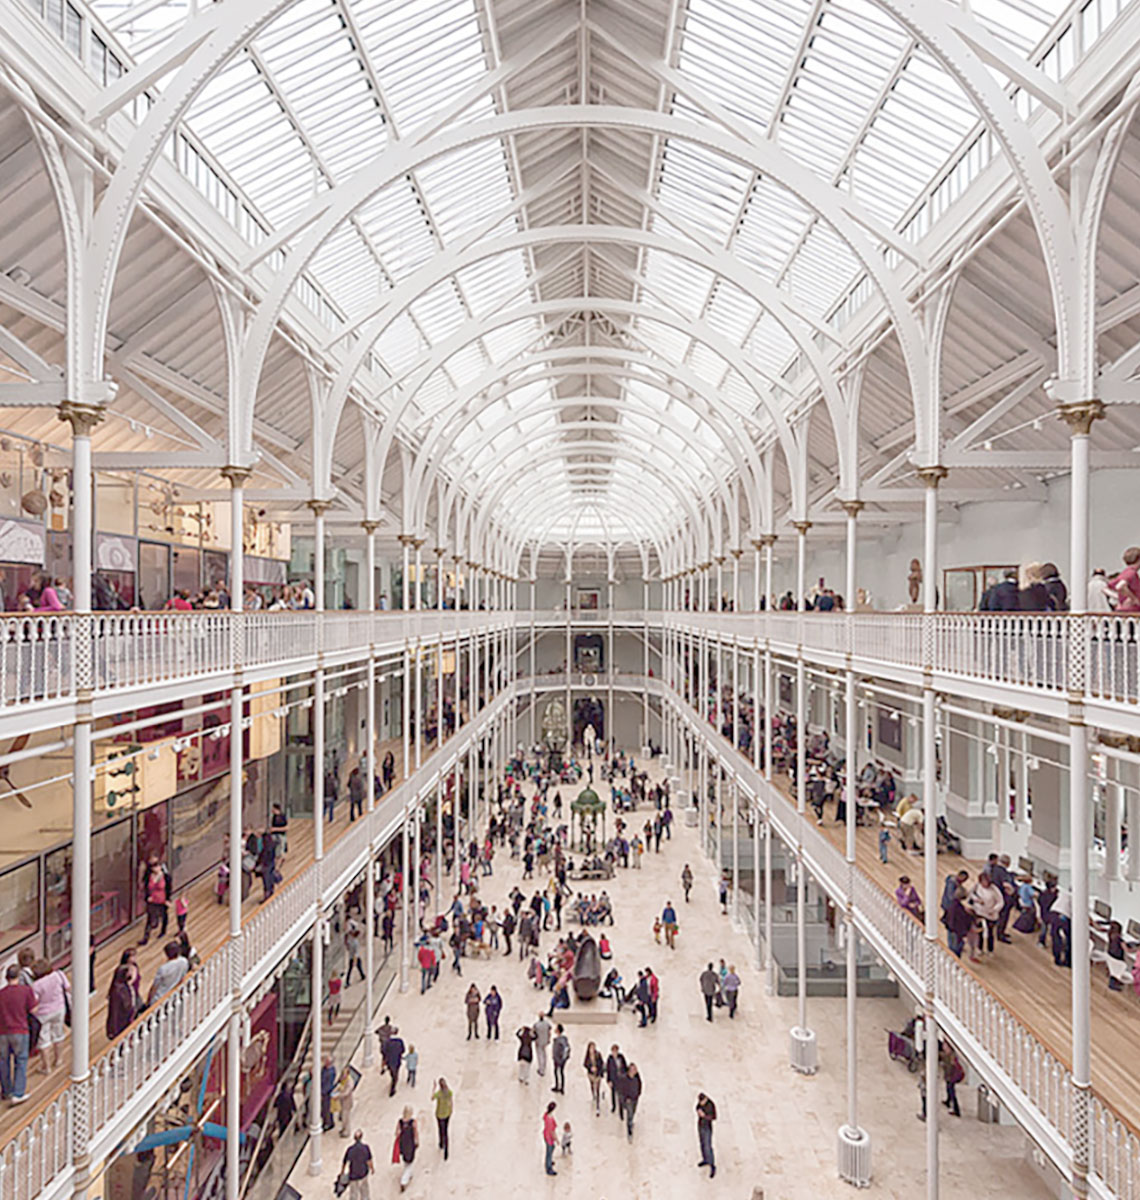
776 1129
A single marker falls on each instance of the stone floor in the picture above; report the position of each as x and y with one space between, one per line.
776 1130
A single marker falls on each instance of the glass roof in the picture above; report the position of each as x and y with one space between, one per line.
324 90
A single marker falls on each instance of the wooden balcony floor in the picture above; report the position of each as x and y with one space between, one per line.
208 925
1022 974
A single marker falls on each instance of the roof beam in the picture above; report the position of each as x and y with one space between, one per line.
34 394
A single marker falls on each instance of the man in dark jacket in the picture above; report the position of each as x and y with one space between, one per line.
615 1073
710 985
1054 585
1003 596
392 1052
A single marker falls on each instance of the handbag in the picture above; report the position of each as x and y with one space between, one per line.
1026 922
34 1027
396 1149
66 1007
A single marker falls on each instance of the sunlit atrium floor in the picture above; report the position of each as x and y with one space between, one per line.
776 1132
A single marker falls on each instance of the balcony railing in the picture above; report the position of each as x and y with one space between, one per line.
1033 1082
44 658
130 1076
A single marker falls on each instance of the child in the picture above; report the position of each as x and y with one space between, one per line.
657 930
181 911
567 1139
411 1061
335 984
884 842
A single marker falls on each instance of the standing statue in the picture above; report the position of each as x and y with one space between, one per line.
914 580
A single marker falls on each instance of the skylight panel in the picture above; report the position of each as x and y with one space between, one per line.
487 283
731 312
770 228
425 51
676 283
704 187
508 340
466 187
400 345
741 51
438 312
466 365
770 345
396 223
667 340
823 265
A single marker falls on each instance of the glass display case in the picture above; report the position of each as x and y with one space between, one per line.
962 587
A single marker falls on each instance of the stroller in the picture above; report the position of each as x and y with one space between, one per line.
948 840
900 1046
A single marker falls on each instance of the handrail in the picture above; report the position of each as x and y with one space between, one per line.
1028 1065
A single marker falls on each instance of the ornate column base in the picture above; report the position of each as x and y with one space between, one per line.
854 1156
804 1051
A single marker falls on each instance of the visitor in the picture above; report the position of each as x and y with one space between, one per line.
444 1100
542 1034
411 1064
1126 584
731 987
986 901
17 1006
121 1003
53 1011
706 1115
550 1136
392 1055
407 1139
629 1093
687 881
525 1036
170 974
358 1165
669 920
471 1002
595 1068
492 1007
560 1056
1100 597
710 988
615 1072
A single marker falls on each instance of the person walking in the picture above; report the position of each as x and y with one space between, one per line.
595 1069
710 986
407 1140
358 1165
615 1070
542 1031
472 1002
426 958
343 1095
731 986
392 1055
352 953
525 1036
17 1005
706 1115
630 1093
328 1085
444 1100
53 1004
669 920
550 1136
156 893
493 1006
560 1056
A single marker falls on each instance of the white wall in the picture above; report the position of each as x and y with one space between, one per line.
969 534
